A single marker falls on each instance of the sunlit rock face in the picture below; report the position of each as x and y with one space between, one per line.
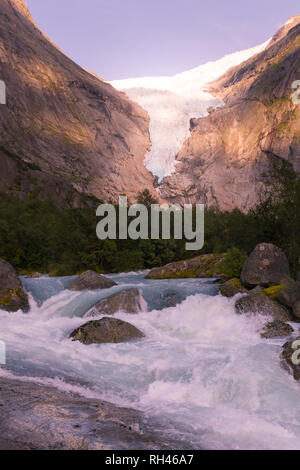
242 118
78 133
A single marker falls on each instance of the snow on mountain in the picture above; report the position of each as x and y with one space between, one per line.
172 101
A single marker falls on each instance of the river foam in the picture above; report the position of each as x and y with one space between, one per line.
202 372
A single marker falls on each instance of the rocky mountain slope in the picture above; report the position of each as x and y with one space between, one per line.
63 131
222 162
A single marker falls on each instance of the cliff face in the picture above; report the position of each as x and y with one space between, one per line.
222 162
76 132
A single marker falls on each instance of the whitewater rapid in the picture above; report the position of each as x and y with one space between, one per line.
172 101
202 372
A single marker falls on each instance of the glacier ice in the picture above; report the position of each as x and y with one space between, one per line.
172 101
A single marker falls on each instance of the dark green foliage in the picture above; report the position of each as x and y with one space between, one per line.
37 236
233 262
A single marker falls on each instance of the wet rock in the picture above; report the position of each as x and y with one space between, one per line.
12 294
266 266
171 298
291 357
289 293
202 266
256 290
232 287
296 309
127 301
39 417
276 329
260 304
106 330
90 280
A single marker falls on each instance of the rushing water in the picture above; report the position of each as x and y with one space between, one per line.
202 372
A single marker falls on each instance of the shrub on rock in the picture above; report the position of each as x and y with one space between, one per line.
12 294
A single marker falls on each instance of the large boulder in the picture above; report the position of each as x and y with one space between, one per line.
232 287
276 329
289 293
12 294
90 280
266 266
127 301
296 309
106 330
260 304
202 266
291 357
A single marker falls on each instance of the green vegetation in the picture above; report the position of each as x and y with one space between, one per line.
37 236
233 262
272 291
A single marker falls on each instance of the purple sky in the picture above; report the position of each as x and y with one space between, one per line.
132 38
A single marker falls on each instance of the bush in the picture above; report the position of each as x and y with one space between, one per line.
233 263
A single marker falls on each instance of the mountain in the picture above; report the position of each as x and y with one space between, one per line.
205 135
172 102
223 160
64 133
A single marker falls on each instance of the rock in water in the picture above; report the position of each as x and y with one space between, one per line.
291 357
296 309
289 294
12 295
266 266
90 280
232 287
127 301
106 330
276 329
171 298
201 266
260 304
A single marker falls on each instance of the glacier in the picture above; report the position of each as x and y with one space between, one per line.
172 101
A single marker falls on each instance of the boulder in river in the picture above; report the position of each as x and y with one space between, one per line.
289 293
127 301
291 357
266 266
171 298
12 294
296 309
106 330
202 266
276 329
232 287
90 280
260 304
